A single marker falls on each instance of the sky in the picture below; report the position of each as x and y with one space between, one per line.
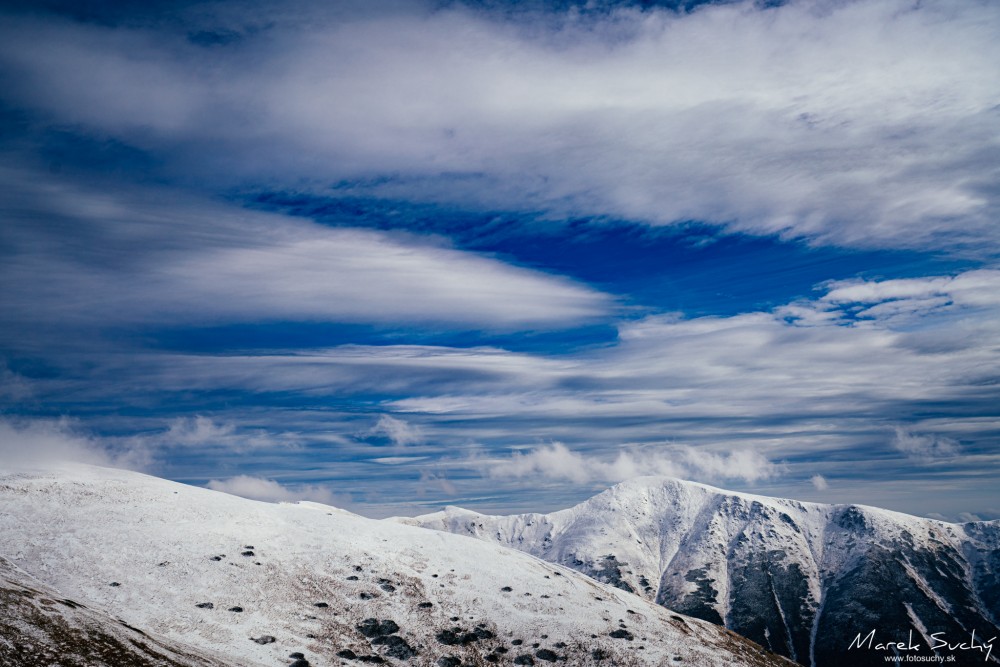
395 255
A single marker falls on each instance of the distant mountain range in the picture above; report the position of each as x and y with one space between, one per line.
805 580
110 568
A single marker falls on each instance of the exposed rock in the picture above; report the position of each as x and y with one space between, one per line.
397 646
372 627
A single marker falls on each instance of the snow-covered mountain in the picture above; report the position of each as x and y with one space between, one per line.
802 579
178 575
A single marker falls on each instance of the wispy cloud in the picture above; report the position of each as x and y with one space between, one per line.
42 442
157 261
399 432
134 149
259 488
922 446
820 120
557 461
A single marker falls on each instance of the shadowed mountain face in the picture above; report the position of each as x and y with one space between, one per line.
160 573
801 579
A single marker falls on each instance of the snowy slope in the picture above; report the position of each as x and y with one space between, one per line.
40 626
799 578
257 583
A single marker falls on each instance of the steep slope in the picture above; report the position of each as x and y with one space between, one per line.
263 584
40 626
802 579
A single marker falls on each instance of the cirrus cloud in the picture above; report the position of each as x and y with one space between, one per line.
856 123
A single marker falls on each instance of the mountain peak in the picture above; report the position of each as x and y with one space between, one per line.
793 576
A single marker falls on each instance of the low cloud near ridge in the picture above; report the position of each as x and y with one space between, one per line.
259 488
42 442
556 461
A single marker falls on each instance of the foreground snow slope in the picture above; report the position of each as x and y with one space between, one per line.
41 626
799 578
255 583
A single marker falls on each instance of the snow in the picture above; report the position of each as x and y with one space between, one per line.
665 529
170 547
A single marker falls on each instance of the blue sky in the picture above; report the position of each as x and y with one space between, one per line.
396 255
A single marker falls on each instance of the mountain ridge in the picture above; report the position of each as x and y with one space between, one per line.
264 584
784 573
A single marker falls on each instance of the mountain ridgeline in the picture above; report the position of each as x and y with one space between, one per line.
801 579
109 568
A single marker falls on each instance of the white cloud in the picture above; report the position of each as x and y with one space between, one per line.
859 123
968 517
435 481
14 387
397 460
924 446
914 297
160 257
557 461
41 442
398 431
197 431
259 488
819 482
205 433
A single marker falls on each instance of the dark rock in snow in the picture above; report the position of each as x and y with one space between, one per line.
347 654
264 639
372 627
205 605
425 605
449 637
449 661
621 634
524 659
546 654
321 605
396 646
114 584
236 609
